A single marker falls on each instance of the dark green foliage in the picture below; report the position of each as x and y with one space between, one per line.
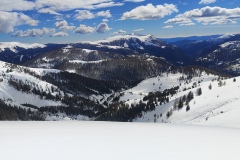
210 86
169 113
190 96
220 83
123 112
8 112
162 96
30 106
199 91
187 108
180 103
234 79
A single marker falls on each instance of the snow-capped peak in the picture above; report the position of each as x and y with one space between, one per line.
14 45
221 38
232 44
133 40
142 38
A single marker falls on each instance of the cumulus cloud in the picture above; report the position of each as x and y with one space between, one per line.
102 28
63 26
20 5
105 14
33 32
182 21
120 32
84 14
207 1
59 34
48 10
58 5
55 6
9 20
207 15
138 30
150 12
168 27
83 29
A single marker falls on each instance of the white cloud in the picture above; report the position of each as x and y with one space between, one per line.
134 0
207 15
168 27
138 30
150 12
9 20
83 29
84 14
187 24
63 26
48 10
19 5
102 28
58 17
182 21
105 14
120 32
58 5
33 32
105 20
207 1
55 6
59 34
108 4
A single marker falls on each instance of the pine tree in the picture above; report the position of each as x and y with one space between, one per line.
199 91
190 96
220 83
234 79
210 86
180 103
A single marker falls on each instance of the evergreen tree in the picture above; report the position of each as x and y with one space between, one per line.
199 91
180 103
220 83
190 96
210 86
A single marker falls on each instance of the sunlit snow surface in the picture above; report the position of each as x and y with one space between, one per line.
15 97
116 141
13 45
216 107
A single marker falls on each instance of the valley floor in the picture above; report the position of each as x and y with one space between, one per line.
73 140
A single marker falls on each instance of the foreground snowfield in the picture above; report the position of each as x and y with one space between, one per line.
109 140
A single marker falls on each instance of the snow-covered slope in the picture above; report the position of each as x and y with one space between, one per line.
14 45
217 106
160 83
17 97
118 141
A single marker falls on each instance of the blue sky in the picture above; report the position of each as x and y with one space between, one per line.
55 21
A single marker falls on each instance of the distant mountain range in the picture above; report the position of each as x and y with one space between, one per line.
191 38
123 78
